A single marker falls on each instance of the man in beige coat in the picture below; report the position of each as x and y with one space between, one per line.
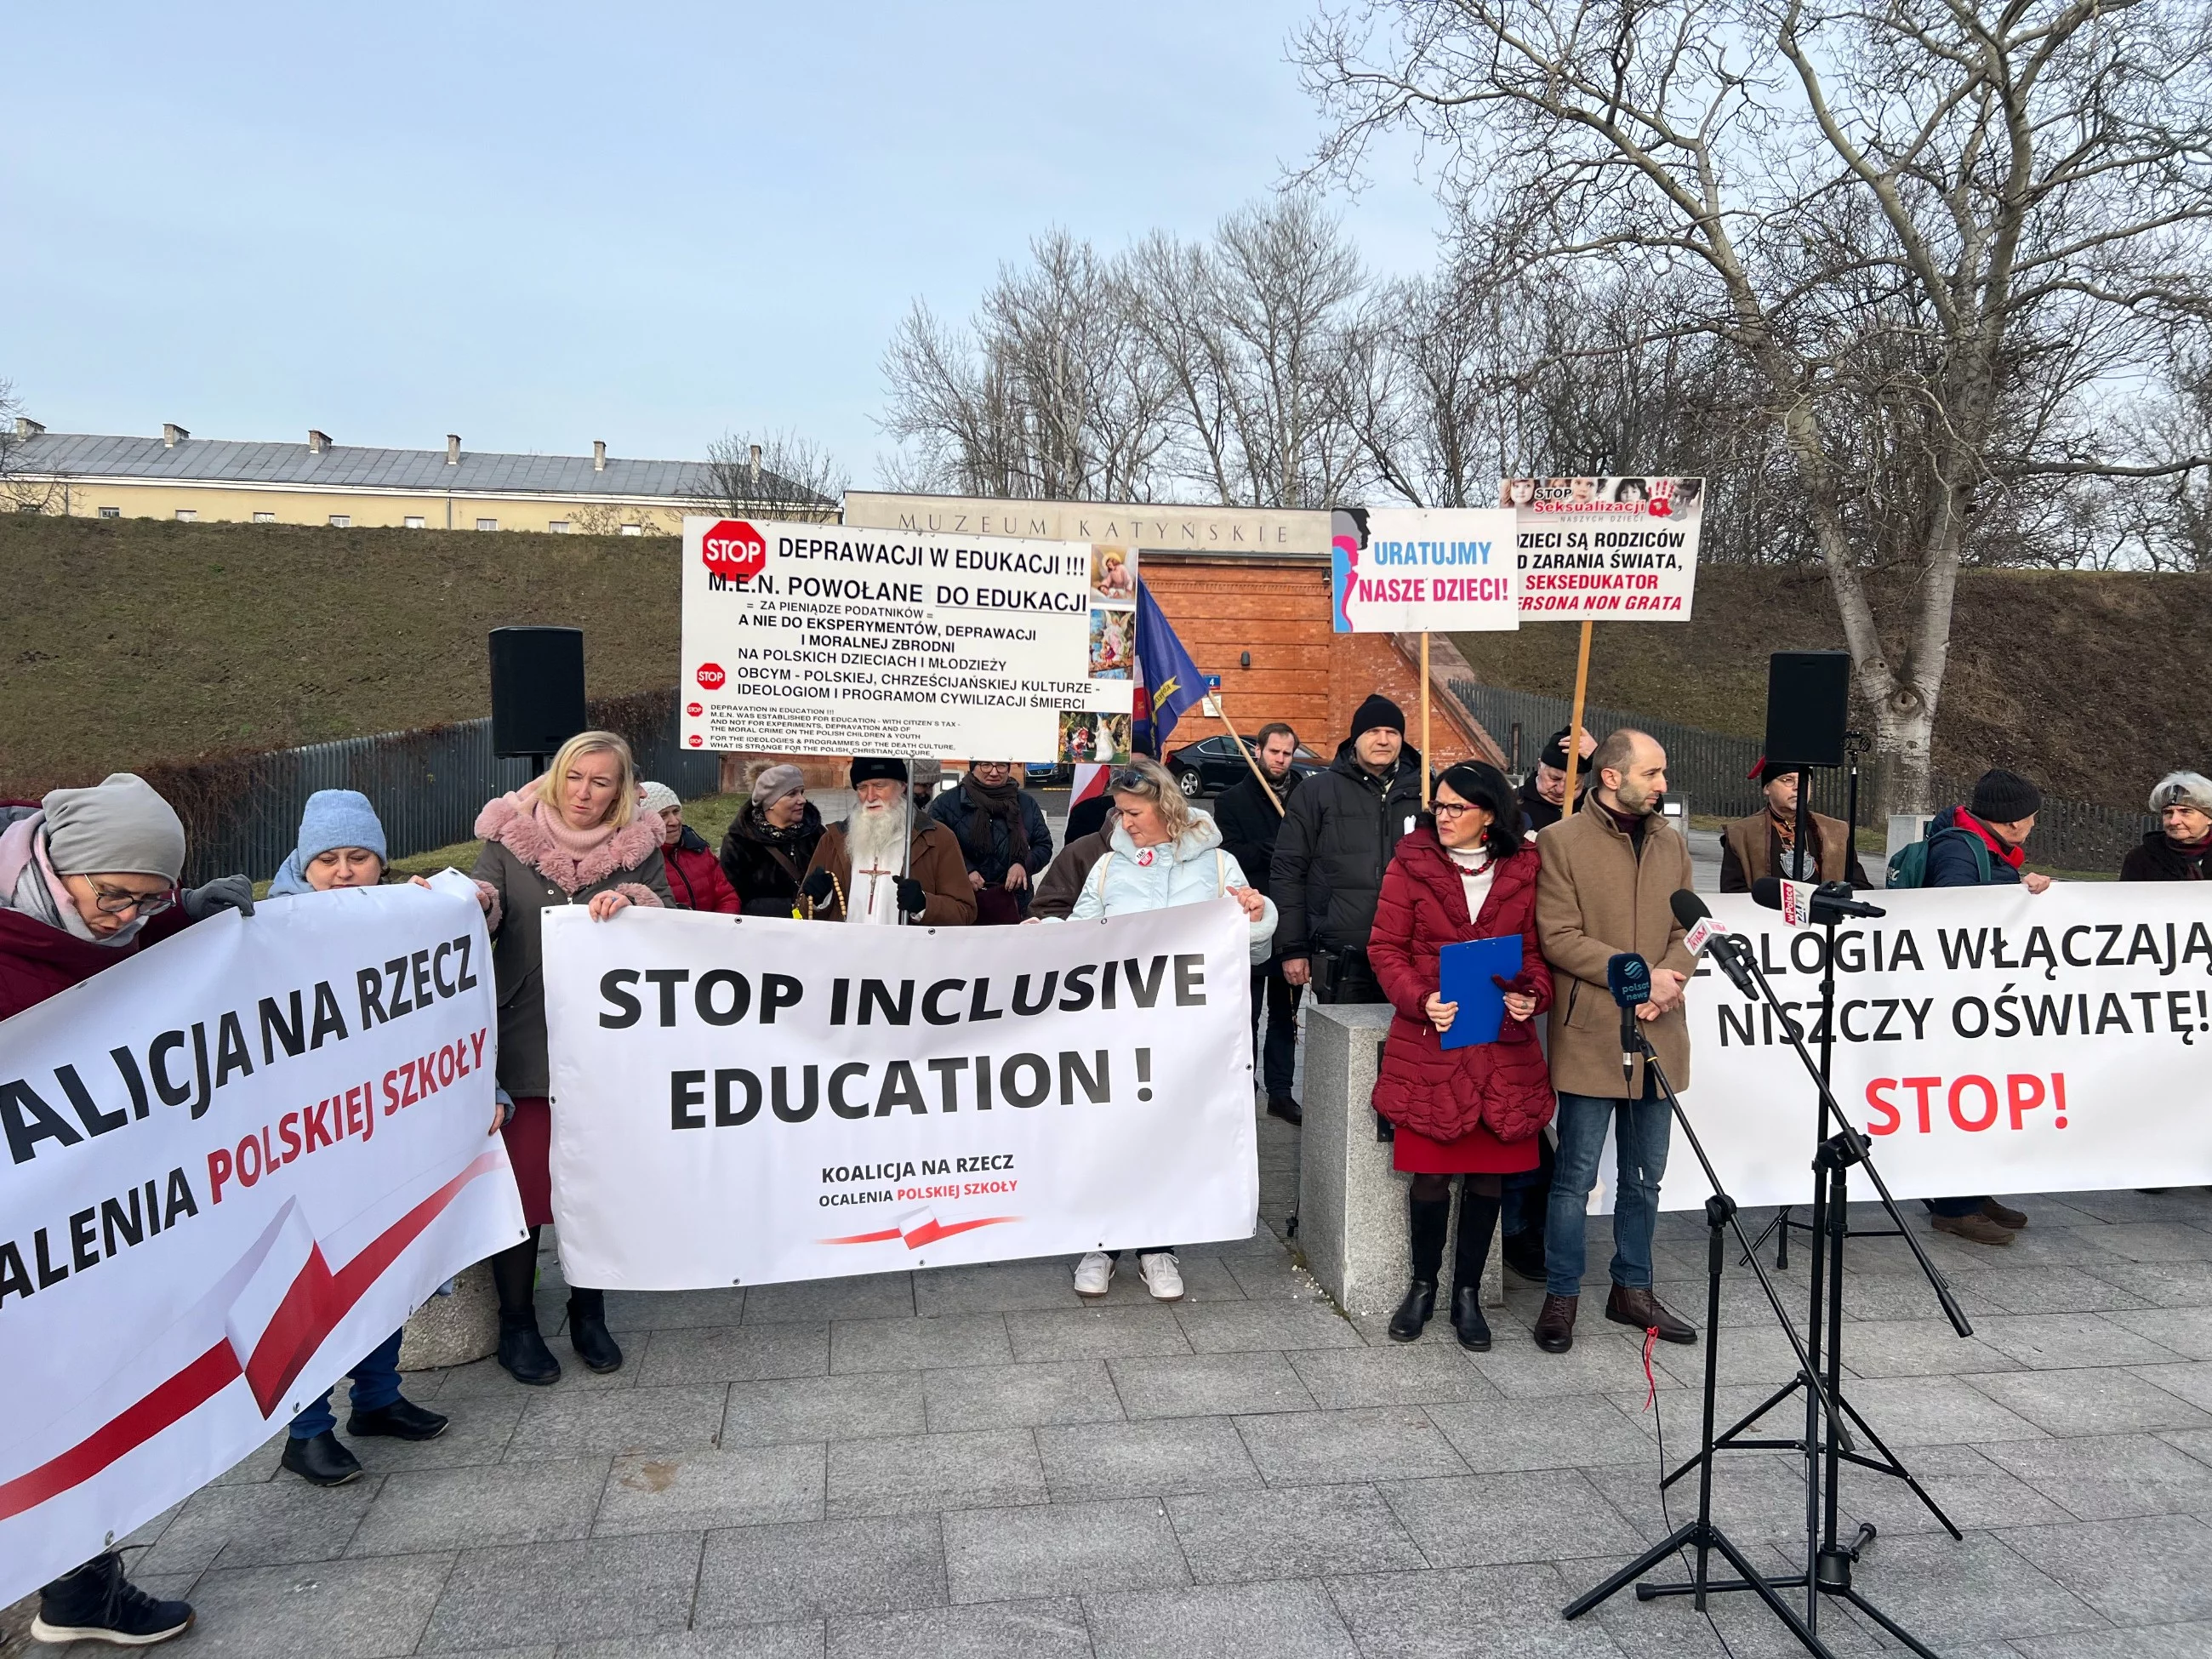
1609 872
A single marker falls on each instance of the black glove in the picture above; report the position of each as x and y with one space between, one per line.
911 898
223 893
818 886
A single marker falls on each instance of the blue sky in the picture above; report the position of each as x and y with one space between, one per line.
540 225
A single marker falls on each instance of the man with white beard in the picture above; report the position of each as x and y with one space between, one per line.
887 862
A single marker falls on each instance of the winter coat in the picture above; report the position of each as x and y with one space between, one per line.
1536 812
38 960
1447 1094
935 862
2160 859
956 812
1752 848
696 880
1062 883
765 883
1250 825
1596 898
1191 869
531 875
1951 861
1337 836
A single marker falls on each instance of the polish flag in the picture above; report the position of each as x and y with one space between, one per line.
1089 781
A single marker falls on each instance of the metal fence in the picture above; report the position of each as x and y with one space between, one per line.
427 786
1711 770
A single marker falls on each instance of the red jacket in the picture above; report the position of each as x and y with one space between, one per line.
37 961
1504 1086
695 878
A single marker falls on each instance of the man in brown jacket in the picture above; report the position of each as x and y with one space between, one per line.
1608 873
1761 844
888 862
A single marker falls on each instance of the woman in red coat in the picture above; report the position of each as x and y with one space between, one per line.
1472 1112
695 875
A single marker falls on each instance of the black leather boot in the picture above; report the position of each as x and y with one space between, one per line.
523 1352
1428 1219
587 1330
1477 1219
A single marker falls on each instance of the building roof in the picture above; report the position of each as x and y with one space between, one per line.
345 466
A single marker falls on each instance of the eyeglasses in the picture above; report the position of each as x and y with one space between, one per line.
1131 781
114 901
1446 810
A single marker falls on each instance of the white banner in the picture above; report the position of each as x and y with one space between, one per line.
1593 549
778 1100
1987 1040
1427 570
817 639
236 1162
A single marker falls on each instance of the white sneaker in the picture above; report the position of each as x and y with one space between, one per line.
1163 1276
1092 1273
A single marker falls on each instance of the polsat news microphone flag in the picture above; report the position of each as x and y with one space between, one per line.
1171 683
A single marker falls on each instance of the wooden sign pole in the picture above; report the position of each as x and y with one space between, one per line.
1427 765
1575 721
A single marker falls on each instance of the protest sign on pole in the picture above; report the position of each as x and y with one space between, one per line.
817 639
236 1162
741 1102
1424 569
1606 548
1987 1040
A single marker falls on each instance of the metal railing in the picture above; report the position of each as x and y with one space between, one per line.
1711 769
427 786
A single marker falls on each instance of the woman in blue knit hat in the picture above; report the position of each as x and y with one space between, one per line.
342 845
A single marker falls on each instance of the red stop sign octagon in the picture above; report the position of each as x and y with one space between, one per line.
733 549
711 676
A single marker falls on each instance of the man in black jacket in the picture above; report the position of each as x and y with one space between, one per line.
1337 838
1250 823
1544 794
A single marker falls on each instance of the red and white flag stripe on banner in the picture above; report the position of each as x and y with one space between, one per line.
183 1265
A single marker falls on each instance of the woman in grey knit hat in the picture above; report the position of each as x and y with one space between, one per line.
770 842
2180 848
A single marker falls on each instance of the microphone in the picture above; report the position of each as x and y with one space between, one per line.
1628 977
1832 900
1704 935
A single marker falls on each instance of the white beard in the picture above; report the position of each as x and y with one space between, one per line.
875 835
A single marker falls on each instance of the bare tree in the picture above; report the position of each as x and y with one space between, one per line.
777 475
20 491
1050 392
1934 230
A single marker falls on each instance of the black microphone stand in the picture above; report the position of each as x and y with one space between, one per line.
1701 1532
1828 1560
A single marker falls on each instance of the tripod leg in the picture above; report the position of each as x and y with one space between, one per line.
1898 1468
1782 1609
1890 1625
1684 1534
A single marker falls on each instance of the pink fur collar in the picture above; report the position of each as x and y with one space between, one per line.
527 828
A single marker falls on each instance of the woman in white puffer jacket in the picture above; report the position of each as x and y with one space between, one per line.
1163 853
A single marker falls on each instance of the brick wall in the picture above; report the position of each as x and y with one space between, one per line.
1302 671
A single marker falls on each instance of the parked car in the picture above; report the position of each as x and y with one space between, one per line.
1211 765
1046 775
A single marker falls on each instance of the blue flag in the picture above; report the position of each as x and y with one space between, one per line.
1172 684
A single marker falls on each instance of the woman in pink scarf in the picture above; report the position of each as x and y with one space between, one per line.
574 837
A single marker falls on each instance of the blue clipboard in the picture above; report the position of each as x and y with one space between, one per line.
1465 971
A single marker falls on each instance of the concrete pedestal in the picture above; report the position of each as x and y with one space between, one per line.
456 1329
1351 1204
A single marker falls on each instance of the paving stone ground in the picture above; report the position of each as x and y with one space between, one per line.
968 1461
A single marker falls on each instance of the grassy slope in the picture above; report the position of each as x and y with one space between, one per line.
2082 680
129 641
132 640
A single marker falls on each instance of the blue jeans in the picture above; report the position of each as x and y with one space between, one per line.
1640 1136
375 1385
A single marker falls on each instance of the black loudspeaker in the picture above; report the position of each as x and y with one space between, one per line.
537 688
1809 705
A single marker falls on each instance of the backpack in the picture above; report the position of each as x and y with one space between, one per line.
1908 867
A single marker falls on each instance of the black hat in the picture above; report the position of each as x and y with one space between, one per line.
865 767
2003 797
1555 753
1767 770
1377 710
